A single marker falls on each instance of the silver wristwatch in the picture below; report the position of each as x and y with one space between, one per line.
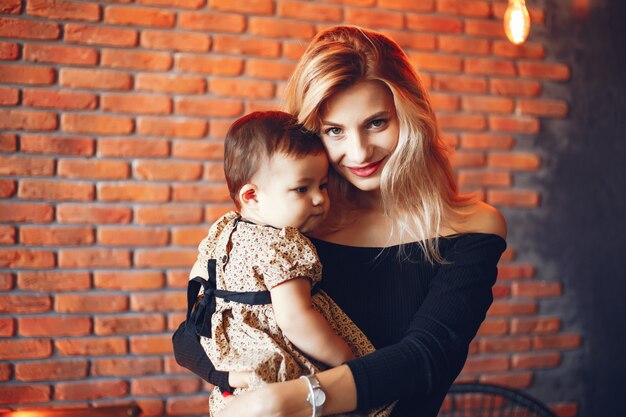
316 397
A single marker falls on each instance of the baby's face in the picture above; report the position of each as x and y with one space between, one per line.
292 191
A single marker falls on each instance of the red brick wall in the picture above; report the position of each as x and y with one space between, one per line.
112 117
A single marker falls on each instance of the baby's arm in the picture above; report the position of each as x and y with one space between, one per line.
304 326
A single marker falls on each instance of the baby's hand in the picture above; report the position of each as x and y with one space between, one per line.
240 379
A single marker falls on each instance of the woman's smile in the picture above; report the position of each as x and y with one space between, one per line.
366 170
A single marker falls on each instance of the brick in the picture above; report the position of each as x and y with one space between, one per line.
178 128
542 107
501 291
201 192
417 41
167 171
310 11
161 301
430 23
26 212
173 41
53 236
565 409
8 142
138 60
374 18
214 212
214 171
489 67
28 29
128 280
86 258
263 105
96 123
513 198
517 380
556 72
515 271
54 326
275 28
21 165
541 325
63 10
139 192
268 48
90 390
125 236
537 289
243 6
208 107
228 87
484 179
465 46
57 54
365 3
151 345
510 308
50 371
519 124
27 120
462 121
11 7
174 320
133 147
493 328
460 84
7 188
24 303
94 169
212 22
155 407
94 79
53 281
9 96
436 62
9 51
91 214
418 6
178 279
188 236
91 346
187 406
164 258
90 303
136 103
293 50
139 16
526 50
127 367
7 235
55 190
444 102
488 104
185 4
7 329
22 394
486 141
464 8
488 364
59 99
535 360
514 161
99 35
26 258
6 281
503 345
63 145
148 323
515 87
210 65
173 214
175 84
219 128
165 386
198 150
485 28
25 349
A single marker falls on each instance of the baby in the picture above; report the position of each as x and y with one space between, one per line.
262 309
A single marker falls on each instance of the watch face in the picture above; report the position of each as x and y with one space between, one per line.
320 397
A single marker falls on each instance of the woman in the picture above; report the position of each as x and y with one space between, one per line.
410 260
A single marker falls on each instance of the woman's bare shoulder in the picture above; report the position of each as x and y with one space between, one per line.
480 217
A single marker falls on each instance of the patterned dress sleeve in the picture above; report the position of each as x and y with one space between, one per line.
289 255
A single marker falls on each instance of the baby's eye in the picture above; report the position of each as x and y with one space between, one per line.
378 123
323 186
301 190
333 131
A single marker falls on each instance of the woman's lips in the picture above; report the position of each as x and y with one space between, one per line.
366 170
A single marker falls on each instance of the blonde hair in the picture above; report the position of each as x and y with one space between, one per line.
418 187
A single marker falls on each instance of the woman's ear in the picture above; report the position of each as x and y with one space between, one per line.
248 196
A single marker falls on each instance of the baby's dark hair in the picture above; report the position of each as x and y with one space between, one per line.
253 139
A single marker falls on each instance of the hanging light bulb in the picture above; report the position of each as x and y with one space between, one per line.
517 21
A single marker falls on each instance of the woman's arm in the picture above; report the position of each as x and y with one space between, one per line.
304 326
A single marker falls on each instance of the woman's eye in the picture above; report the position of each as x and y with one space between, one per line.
324 186
333 131
378 123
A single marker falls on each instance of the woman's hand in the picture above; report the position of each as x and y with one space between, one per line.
240 379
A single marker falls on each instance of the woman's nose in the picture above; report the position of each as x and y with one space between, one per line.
358 148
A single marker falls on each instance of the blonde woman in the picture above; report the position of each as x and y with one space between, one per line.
409 259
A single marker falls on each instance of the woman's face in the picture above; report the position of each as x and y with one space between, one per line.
360 132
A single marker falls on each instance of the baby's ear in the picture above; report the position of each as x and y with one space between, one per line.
248 196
